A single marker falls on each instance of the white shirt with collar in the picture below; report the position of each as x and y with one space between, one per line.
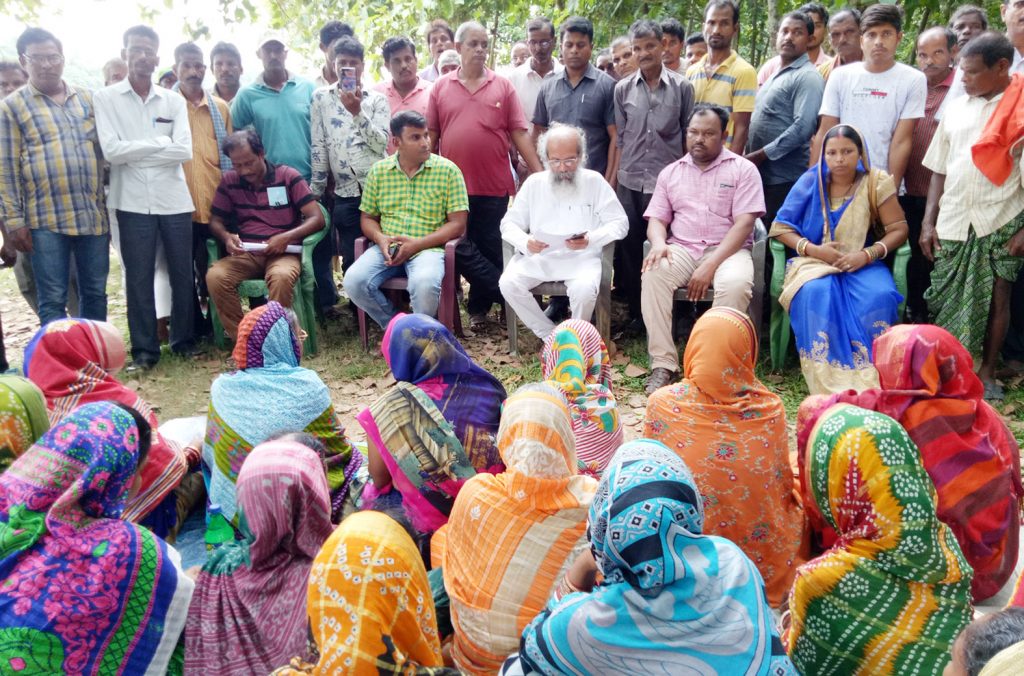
146 143
527 83
970 201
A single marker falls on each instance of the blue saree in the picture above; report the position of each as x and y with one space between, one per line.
836 315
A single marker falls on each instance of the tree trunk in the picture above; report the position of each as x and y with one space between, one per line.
771 29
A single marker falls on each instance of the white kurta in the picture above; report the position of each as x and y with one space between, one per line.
540 213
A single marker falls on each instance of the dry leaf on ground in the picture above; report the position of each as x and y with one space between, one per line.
634 371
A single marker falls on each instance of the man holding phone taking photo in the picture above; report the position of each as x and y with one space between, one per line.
559 222
349 131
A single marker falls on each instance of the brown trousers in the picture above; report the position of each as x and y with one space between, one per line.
279 272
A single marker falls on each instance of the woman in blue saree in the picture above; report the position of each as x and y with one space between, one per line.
842 219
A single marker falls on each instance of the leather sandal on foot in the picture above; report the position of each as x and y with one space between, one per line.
660 377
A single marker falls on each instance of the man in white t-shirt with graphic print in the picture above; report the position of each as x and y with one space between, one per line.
881 98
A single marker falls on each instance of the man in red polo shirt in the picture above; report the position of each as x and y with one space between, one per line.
471 115
274 209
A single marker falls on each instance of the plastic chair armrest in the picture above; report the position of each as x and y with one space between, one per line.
778 267
212 250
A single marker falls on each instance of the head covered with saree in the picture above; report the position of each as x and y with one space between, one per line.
249 613
731 431
928 384
894 591
511 536
23 417
73 361
270 393
806 209
673 600
422 453
836 314
422 351
370 606
84 591
576 360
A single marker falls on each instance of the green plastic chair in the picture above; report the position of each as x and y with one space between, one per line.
779 329
303 302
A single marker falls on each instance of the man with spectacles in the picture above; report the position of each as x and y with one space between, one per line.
51 187
472 115
529 77
145 135
559 223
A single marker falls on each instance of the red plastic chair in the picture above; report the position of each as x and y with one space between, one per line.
447 309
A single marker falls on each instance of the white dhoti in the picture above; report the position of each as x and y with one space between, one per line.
582 277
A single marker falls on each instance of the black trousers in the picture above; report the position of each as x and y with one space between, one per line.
629 251
919 269
478 255
345 219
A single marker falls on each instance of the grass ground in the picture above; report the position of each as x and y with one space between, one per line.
180 387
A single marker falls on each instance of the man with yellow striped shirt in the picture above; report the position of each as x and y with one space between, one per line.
722 77
209 118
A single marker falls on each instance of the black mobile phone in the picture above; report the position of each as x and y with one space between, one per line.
393 249
578 235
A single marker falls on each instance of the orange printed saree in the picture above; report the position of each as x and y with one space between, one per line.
731 431
511 536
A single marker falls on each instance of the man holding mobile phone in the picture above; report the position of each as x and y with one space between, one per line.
559 222
349 135
414 202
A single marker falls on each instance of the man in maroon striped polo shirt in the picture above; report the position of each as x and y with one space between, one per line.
273 208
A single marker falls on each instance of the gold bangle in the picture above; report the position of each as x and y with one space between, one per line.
801 246
867 252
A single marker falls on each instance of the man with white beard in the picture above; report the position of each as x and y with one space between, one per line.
560 221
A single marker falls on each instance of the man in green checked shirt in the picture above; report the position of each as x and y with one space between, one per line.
413 202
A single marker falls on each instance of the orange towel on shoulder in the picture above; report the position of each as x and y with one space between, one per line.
1003 131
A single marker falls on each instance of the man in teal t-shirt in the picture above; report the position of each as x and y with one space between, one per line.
276 104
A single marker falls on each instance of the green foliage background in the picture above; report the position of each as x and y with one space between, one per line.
376 20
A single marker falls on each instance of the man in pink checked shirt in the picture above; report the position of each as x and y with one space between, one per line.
700 226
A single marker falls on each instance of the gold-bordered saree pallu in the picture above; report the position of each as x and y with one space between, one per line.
836 315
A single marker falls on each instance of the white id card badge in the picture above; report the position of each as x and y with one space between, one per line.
277 196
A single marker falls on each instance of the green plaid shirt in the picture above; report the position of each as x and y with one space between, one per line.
417 206
50 164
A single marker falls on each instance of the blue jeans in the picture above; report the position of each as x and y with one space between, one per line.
51 260
425 271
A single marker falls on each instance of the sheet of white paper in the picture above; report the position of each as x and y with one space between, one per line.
184 430
553 240
260 246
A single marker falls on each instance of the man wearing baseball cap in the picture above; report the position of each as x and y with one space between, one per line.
276 104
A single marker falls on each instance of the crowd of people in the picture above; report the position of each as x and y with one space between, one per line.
481 531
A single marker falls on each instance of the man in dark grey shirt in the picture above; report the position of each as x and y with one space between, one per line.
652 107
582 96
786 114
